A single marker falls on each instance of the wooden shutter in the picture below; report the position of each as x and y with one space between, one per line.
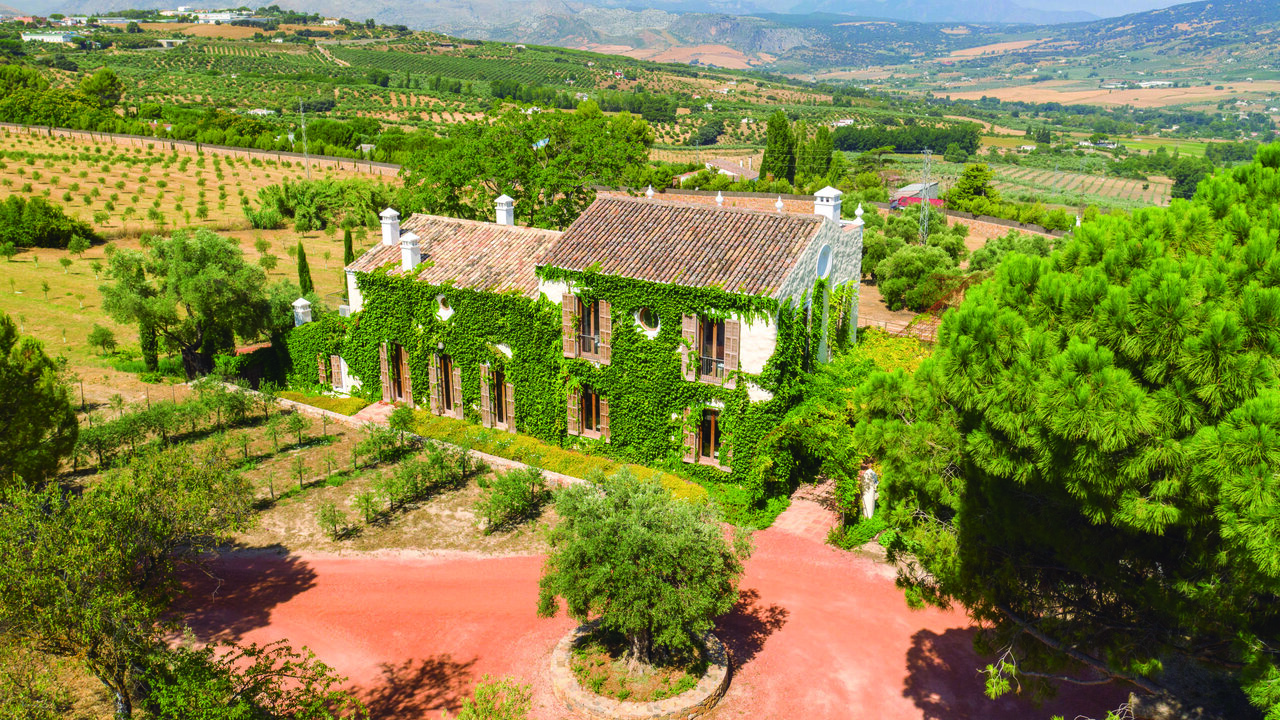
606 332
575 415
406 377
457 391
323 367
569 308
510 401
732 339
433 384
385 372
335 364
486 405
604 419
690 439
689 346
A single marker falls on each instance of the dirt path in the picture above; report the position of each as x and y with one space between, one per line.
820 633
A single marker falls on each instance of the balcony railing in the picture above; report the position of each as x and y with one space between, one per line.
712 367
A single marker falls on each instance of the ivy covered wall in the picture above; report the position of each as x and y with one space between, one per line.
647 392
399 309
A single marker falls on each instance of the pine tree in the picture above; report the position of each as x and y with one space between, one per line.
348 253
304 272
779 150
1089 463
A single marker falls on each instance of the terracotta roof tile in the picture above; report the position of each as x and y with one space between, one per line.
469 253
687 244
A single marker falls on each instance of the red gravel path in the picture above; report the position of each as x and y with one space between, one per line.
820 633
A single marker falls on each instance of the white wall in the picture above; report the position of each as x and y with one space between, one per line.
757 342
554 290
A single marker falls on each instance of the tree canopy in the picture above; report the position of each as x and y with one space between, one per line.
198 292
35 410
547 161
649 567
1088 462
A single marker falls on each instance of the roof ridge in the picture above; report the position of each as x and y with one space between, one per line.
479 223
708 207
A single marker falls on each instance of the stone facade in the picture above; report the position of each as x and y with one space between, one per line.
688 705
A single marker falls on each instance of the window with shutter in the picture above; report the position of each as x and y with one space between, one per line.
486 406
406 377
688 346
457 391
709 439
732 340
690 439
509 402
605 329
575 412
385 373
711 350
433 385
323 370
568 309
335 368
604 419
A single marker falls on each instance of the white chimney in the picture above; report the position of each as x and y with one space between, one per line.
390 226
301 312
410 253
827 203
506 207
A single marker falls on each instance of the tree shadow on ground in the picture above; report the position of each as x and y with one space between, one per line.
746 628
945 680
238 590
416 688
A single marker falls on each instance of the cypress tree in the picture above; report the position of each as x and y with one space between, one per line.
348 253
150 345
304 272
779 150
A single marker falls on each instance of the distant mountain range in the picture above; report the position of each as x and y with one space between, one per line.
798 35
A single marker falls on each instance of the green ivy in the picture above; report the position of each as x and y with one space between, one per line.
643 383
402 310
321 337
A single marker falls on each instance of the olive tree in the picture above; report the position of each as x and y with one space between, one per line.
649 567
196 290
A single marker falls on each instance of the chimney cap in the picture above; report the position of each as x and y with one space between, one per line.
302 303
410 238
504 198
828 192
389 214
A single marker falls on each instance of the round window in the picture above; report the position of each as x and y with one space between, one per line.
444 302
648 318
824 262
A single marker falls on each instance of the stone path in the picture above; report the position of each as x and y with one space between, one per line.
810 515
378 412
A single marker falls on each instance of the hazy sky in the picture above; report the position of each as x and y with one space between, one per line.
1102 8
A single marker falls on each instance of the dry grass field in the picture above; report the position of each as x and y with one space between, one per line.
103 182
1069 93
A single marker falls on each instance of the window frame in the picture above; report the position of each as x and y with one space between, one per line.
498 399
589 406
717 438
588 319
716 364
444 372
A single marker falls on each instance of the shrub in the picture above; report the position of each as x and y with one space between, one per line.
511 498
914 276
331 520
502 699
